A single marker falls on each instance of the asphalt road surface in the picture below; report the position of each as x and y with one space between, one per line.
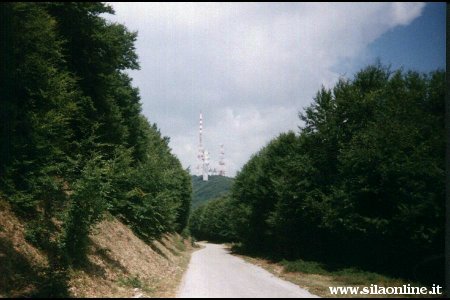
214 273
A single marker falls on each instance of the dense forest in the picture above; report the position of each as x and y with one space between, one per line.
213 221
74 144
361 184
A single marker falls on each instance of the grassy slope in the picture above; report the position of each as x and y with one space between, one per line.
120 264
215 187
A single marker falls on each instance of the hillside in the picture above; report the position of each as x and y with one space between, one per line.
76 147
203 191
119 263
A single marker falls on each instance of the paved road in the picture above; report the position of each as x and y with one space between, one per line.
213 273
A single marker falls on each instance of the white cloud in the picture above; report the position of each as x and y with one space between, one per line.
249 67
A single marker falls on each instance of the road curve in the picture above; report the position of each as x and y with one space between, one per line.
214 273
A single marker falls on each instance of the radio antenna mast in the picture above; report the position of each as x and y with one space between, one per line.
222 161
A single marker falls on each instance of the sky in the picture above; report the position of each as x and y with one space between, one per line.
252 67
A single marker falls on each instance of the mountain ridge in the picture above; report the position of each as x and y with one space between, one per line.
205 191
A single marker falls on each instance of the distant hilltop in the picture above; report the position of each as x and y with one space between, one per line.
204 191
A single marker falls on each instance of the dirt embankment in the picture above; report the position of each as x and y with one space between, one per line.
119 263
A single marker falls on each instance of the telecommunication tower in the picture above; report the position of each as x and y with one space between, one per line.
200 155
205 166
222 161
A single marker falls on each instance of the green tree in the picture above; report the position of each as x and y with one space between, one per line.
366 169
73 141
214 221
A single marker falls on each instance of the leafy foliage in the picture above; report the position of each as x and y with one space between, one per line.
73 141
362 184
213 221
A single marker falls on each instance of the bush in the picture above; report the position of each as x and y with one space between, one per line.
309 267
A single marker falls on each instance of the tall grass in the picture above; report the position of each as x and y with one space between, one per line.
351 276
